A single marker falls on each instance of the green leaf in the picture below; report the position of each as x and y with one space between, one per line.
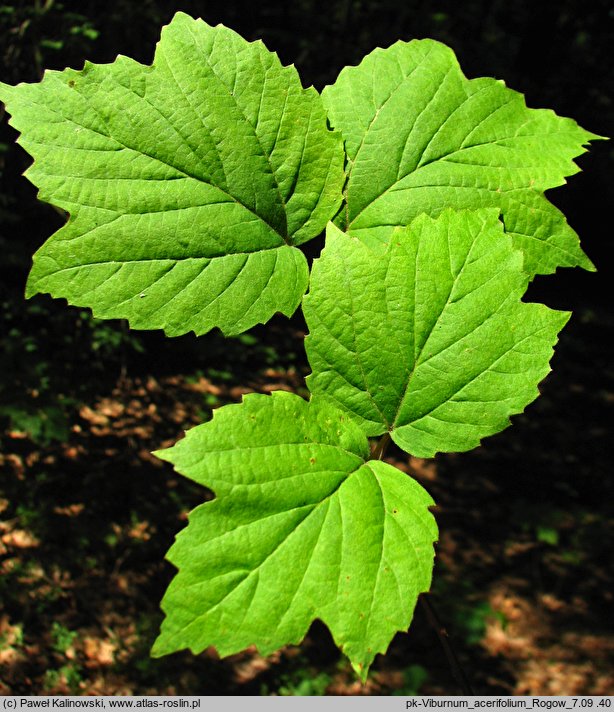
421 137
303 527
189 182
427 338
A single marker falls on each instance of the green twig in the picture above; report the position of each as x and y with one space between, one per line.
380 449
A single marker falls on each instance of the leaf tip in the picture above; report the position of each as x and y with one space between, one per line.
161 454
30 289
361 670
5 92
159 649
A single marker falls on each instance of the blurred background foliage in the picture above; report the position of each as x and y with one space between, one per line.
55 359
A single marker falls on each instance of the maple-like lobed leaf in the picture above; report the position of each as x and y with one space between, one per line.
427 337
188 183
421 137
304 526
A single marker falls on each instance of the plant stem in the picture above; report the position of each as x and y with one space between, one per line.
442 634
381 447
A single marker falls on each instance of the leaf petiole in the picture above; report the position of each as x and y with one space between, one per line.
380 447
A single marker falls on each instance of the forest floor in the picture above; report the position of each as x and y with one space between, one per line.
523 579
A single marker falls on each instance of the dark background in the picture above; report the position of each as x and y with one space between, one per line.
523 572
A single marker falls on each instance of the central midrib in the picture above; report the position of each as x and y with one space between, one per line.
182 171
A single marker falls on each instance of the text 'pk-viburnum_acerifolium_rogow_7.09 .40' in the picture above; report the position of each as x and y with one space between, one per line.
190 186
